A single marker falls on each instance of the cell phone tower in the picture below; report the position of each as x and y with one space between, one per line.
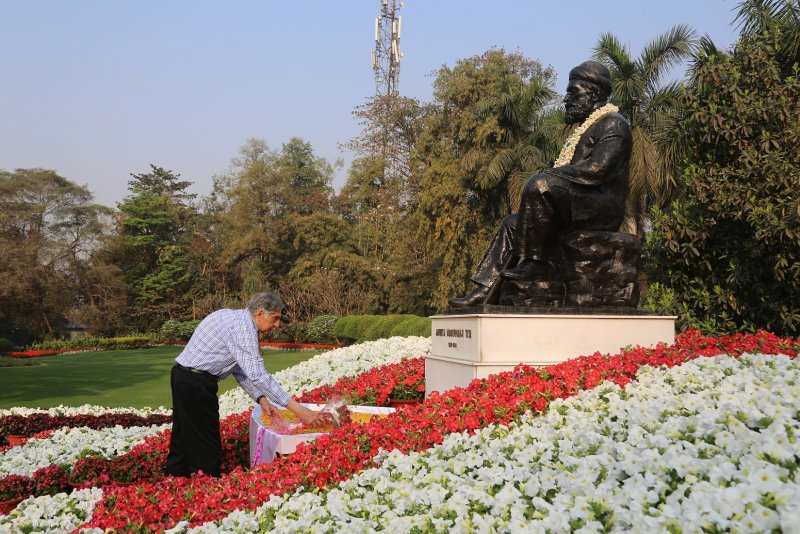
386 56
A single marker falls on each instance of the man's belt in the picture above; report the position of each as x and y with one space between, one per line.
197 371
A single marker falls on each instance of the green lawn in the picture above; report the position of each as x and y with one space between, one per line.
116 378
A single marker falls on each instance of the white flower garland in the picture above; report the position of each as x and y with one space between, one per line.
565 157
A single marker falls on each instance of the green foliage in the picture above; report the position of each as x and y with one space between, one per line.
173 330
6 345
267 208
730 250
123 342
353 327
480 142
47 224
321 329
345 327
359 328
413 326
151 249
654 110
381 326
778 18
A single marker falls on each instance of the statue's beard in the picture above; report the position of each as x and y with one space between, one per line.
577 114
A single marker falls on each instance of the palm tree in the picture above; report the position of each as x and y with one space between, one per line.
519 115
779 17
652 106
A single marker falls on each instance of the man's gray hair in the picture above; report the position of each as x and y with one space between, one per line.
267 301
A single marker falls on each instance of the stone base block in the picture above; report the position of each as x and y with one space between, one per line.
465 347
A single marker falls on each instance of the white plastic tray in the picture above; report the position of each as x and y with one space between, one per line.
272 443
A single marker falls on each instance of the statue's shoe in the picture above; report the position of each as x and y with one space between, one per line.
470 299
526 270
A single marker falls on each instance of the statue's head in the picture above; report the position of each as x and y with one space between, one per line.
588 89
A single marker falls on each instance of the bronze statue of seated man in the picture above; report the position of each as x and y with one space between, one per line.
585 190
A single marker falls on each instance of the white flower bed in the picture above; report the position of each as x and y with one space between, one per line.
59 513
330 366
712 444
64 446
86 409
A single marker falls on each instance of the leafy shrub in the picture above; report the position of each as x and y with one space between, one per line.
413 326
172 330
729 247
321 329
6 345
358 328
382 326
60 344
124 342
346 327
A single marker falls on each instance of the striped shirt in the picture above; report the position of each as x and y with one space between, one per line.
226 343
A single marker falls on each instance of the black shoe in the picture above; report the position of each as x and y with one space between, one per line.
526 270
470 299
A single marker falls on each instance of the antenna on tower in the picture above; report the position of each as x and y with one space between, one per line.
387 54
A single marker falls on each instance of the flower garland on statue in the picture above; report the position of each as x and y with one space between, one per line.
565 156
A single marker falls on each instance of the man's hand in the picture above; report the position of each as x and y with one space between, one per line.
309 417
272 411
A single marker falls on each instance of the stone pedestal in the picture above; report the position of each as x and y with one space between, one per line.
476 345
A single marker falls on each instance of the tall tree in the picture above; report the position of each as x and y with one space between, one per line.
777 17
727 255
481 140
154 223
48 228
653 107
263 206
390 126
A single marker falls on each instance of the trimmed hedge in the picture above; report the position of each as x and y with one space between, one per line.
359 328
414 326
382 326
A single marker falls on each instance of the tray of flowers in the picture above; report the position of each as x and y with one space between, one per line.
268 438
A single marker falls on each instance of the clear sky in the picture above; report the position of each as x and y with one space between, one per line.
99 89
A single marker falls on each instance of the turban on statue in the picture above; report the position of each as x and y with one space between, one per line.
595 73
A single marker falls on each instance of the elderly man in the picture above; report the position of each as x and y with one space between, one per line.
585 190
224 343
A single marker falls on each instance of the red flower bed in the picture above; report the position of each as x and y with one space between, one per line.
405 379
32 353
335 457
28 425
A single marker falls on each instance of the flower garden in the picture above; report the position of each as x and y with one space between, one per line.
697 436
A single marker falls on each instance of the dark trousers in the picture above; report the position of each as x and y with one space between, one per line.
195 443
